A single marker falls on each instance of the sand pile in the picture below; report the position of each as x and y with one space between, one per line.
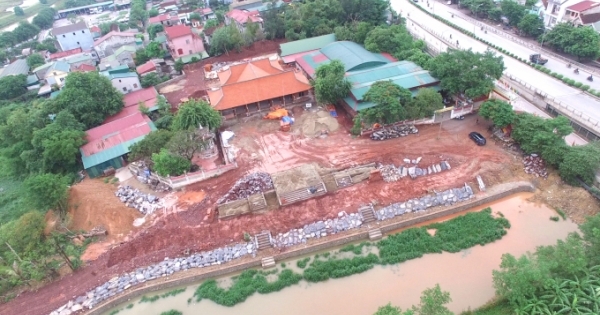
313 124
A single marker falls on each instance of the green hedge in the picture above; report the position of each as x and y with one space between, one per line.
501 50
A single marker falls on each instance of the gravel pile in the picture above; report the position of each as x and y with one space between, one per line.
247 186
394 132
391 173
533 164
134 198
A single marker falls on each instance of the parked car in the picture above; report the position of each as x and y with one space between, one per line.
477 138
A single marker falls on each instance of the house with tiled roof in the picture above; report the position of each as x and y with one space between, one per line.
256 86
83 68
181 41
96 32
63 54
575 13
109 43
124 55
148 67
164 19
241 18
57 73
122 79
108 144
73 36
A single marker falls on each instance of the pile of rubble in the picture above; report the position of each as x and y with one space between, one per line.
134 198
247 186
533 164
165 268
394 132
318 229
391 173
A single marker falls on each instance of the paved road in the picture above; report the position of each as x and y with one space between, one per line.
555 64
569 96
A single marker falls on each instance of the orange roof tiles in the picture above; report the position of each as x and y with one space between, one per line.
177 31
258 89
65 53
147 67
249 71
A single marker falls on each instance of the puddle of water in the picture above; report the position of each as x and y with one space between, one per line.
467 275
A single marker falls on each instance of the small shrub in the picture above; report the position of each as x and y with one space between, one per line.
172 312
560 76
113 312
302 262
561 213
282 265
130 306
585 87
555 219
247 237
173 293
578 84
151 299
592 91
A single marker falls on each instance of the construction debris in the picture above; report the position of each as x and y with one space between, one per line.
247 186
391 173
394 132
533 164
134 198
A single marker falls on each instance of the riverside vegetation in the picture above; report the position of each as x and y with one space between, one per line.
451 236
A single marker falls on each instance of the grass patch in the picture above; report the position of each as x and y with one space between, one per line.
12 201
173 293
130 306
172 312
151 299
113 312
302 262
476 228
282 265
561 213
555 219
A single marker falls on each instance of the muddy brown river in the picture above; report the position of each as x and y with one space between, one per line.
467 275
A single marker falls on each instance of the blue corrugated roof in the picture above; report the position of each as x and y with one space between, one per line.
123 75
360 105
60 66
111 153
18 67
306 44
354 56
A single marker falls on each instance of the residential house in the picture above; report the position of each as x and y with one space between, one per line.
256 86
242 3
62 54
583 13
96 32
74 36
80 59
40 72
122 56
148 67
33 82
240 18
83 68
18 67
181 41
109 43
165 19
556 10
364 68
108 144
208 33
206 14
122 79
57 73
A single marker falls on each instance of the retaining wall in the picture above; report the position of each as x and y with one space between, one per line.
191 276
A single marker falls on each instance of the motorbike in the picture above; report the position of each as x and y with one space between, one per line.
590 78
569 65
576 71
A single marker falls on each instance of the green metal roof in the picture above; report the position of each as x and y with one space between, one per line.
403 73
32 80
125 48
307 44
42 67
360 105
160 39
18 67
123 75
61 66
200 56
111 153
353 56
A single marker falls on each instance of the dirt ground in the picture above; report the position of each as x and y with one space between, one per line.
194 226
193 86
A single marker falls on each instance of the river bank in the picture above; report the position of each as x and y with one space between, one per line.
194 275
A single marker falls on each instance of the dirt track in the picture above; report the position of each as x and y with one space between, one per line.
260 148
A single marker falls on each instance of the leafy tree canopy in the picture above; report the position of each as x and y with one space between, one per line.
513 11
388 39
425 103
153 12
226 39
467 72
185 143
44 19
152 143
433 301
47 191
195 113
535 134
12 86
330 84
582 42
580 162
500 112
18 11
90 97
35 60
167 164
531 25
390 100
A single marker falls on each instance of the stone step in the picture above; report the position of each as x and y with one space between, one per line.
268 262
368 213
480 182
375 234
263 240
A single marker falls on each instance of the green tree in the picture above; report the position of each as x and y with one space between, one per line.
500 112
591 238
18 11
393 39
179 65
388 310
495 14
12 86
211 23
154 29
390 100
25 31
580 162
45 18
195 113
154 50
151 79
55 149
433 302
273 21
167 164
35 60
425 103
480 8
513 11
47 192
151 144
330 83
185 143
90 97
534 134
153 12
467 72
531 25
226 39
582 42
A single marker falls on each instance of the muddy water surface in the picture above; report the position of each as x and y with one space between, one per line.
466 275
